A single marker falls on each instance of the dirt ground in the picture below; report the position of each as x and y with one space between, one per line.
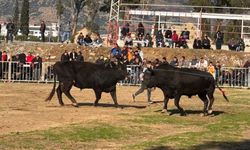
23 107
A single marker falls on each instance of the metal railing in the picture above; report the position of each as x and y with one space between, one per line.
11 71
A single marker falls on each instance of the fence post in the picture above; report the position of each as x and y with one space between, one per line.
248 78
43 71
9 71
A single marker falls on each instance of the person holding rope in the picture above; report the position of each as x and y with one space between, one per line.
146 67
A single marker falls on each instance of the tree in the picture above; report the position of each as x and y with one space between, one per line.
15 17
93 8
77 6
59 12
24 27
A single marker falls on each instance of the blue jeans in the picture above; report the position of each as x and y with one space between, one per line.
65 36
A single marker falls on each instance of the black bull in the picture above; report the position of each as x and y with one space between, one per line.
175 82
100 78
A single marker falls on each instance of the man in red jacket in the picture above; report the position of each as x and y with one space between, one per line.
175 39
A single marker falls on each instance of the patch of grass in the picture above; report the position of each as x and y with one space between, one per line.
228 128
164 119
56 136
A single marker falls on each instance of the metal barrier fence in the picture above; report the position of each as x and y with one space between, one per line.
43 73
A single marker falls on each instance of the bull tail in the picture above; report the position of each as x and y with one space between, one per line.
53 90
223 92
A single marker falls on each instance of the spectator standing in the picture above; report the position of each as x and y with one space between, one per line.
10 30
4 56
42 30
174 62
100 60
116 51
203 64
164 60
194 63
211 69
72 55
183 62
29 58
79 57
124 51
65 57
37 67
219 36
206 43
217 71
66 32
175 39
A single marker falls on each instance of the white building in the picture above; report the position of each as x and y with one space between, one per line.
51 30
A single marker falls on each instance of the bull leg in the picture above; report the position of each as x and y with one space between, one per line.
66 90
59 94
211 98
114 97
176 102
203 97
98 95
165 105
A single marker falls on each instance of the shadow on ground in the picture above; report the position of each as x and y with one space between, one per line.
191 112
214 145
112 105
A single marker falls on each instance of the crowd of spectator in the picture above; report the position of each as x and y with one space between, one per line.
167 38
23 67
87 41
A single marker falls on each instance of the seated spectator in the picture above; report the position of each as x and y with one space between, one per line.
206 43
128 40
175 39
116 51
168 37
79 57
65 57
98 42
140 30
125 30
185 34
148 41
80 39
182 43
197 43
159 39
203 64
241 45
100 60
174 62
88 41
72 55
232 44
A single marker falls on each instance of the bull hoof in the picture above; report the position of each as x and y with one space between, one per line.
183 114
210 111
95 104
75 105
164 111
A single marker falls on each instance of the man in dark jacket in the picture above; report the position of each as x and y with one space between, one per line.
65 56
10 30
42 30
